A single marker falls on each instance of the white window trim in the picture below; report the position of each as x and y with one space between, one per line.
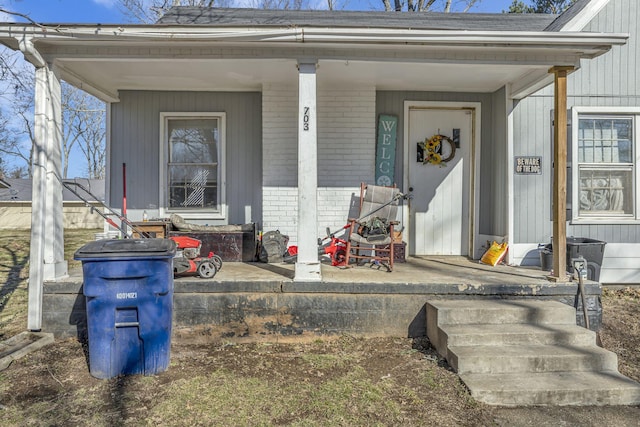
196 214
576 112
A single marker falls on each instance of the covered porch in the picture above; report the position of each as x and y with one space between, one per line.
315 85
258 300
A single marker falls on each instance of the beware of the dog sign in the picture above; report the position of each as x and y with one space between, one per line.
531 165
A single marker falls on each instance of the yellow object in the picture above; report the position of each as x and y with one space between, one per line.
432 145
435 158
495 253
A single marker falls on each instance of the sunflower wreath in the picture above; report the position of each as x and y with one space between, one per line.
431 145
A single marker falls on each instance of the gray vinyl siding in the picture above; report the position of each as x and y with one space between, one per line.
135 140
492 168
492 201
609 81
532 193
615 73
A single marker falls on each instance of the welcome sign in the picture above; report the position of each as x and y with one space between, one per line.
386 149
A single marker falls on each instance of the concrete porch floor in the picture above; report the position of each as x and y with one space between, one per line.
427 270
248 299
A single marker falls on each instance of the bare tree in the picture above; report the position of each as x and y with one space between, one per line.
430 5
540 6
16 116
83 129
83 119
149 11
11 150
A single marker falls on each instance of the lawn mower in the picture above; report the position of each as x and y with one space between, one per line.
189 262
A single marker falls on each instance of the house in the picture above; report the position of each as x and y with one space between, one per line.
233 116
603 186
15 205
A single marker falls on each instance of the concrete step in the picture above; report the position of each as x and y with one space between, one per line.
517 352
530 358
455 312
444 313
556 388
515 334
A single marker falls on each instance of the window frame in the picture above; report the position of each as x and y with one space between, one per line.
193 213
578 113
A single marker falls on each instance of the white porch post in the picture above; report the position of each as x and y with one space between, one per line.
47 242
308 265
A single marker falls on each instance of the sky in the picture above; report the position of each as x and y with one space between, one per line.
107 11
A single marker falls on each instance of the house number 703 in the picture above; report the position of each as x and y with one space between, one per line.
305 119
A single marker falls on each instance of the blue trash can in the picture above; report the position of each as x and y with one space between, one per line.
128 289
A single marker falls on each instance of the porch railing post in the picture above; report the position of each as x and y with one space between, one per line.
307 265
46 257
560 174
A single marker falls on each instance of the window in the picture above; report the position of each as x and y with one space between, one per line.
194 150
605 176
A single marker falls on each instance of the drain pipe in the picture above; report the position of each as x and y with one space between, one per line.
580 270
30 53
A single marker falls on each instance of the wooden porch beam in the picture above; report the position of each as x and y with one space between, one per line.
560 174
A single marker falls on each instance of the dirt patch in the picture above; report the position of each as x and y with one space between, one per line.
312 381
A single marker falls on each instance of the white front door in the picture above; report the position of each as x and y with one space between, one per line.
439 212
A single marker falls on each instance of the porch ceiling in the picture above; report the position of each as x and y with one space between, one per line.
106 59
251 74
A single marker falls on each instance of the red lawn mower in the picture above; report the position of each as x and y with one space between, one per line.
189 262
331 246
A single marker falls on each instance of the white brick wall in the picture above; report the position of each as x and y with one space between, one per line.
346 154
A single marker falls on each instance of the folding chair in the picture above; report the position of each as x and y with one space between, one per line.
370 235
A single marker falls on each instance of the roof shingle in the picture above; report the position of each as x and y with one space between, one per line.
218 17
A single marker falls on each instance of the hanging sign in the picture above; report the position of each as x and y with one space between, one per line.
386 149
530 165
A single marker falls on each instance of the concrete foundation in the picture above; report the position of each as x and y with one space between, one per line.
258 300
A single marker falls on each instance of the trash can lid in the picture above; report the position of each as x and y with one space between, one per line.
127 248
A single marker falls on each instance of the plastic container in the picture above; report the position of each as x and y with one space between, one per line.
591 249
128 289
546 257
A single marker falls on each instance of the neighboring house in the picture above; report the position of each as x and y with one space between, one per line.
230 116
603 103
15 205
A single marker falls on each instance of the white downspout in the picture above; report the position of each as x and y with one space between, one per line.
510 186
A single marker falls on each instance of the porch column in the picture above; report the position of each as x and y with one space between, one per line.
307 265
47 242
560 174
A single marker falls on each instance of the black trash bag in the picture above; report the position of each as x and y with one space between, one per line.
273 247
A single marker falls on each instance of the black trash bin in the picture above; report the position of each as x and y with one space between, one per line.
546 257
128 289
591 250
